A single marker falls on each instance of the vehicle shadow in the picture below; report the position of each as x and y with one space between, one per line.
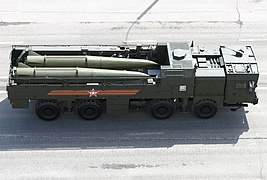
21 129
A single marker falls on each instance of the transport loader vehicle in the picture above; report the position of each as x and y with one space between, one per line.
163 78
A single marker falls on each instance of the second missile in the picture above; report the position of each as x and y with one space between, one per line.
88 61
77 72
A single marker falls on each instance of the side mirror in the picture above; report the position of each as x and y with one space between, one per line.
251 86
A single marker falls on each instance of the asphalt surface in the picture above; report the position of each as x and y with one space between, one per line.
231 145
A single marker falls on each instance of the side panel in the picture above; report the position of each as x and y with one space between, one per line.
209 84
117 105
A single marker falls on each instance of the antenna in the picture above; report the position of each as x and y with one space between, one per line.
192 44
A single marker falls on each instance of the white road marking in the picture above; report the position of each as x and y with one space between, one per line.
146 133
10 42
143 42
3 92
261 39
261 88
4 77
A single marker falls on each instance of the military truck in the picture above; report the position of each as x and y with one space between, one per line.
162 78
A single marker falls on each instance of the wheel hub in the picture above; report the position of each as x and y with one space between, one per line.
206 109
48 111
162 110
89 111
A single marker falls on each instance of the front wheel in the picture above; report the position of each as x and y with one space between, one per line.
205 108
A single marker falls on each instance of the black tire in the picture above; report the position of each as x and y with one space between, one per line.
89 110
205 109
161 109
48 110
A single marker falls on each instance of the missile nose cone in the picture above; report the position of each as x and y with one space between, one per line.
153 63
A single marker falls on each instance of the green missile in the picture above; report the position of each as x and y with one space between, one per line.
87 61
76 72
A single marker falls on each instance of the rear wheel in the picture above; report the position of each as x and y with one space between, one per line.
205 108
161 109
48 110
89 110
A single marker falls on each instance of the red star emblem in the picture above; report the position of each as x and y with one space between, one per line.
93 93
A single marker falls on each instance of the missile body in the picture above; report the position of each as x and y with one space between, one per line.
76 72
87 61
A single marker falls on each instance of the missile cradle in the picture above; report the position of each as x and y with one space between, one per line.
36 65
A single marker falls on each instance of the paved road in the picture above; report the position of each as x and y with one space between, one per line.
135 146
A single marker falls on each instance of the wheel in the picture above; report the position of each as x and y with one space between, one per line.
161 109
89 110
48 110
205 108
